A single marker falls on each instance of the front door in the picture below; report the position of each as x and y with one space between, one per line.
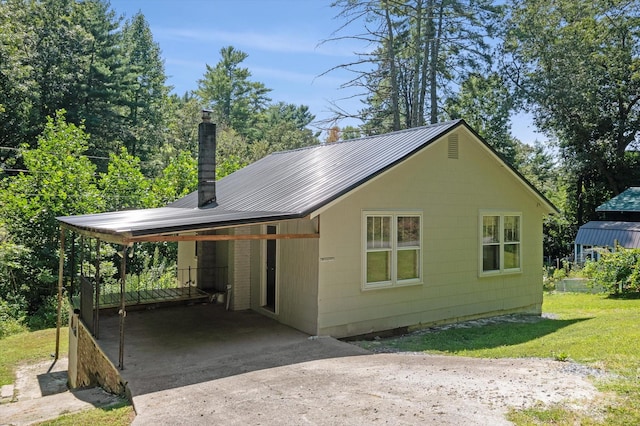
270 278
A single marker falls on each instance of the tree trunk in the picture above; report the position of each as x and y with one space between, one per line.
393 74
418 60
426 63
433 81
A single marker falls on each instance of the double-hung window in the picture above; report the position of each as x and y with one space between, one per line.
392 247
500 243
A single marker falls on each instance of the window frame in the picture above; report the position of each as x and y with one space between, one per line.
501 243
394 248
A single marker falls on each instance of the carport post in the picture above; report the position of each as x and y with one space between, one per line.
122 312
60 281
96 321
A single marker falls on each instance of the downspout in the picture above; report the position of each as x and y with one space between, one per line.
60 280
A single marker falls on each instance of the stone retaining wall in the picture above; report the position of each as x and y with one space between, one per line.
93 367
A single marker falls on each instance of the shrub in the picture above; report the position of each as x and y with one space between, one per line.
618 272
47 314
12 318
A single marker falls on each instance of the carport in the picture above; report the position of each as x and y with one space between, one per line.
179 346
90 325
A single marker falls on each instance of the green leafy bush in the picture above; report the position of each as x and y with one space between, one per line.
12 317
617 272
46 316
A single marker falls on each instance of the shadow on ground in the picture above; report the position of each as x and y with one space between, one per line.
173 347
473 335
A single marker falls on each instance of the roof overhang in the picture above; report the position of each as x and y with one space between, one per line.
168 224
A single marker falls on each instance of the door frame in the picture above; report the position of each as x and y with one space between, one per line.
263 271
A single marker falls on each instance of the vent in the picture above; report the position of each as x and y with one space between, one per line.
453 146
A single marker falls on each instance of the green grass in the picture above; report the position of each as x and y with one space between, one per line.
590 329
29 347
118 415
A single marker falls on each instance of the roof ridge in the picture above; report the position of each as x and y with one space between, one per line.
339 142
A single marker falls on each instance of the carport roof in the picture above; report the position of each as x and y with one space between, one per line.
283 185
606 233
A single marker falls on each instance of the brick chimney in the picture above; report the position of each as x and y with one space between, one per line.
206 160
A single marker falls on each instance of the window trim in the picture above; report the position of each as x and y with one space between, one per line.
501 214
393 282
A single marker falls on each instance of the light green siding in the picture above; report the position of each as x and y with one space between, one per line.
296 276
450 193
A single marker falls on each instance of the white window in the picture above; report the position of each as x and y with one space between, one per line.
392 247
500 243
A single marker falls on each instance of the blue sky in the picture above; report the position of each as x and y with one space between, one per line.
282 38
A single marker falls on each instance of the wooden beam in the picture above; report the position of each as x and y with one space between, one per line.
172 238
105 237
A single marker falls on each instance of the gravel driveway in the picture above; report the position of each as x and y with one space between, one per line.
372 389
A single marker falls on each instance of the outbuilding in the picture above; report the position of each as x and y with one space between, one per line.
620 227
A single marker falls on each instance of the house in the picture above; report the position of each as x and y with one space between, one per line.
415 227
620 227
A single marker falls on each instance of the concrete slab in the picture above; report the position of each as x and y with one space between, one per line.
169 348
6 392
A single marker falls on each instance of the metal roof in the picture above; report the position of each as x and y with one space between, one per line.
284 185
626 201
606 233
302 180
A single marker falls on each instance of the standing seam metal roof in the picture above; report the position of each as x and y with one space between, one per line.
280 186
606 233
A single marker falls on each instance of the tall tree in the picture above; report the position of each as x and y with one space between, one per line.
123 186
283 126
76 55
227 89
146 89
577 66
59 181
421 48
98 77
16 88
486 104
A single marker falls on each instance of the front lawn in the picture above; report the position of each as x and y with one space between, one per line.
29 347
590 329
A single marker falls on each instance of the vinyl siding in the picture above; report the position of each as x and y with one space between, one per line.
450 193
296 279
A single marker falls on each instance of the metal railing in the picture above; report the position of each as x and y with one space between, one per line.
215 277
141 290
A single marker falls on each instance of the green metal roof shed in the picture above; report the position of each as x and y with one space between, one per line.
627 201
